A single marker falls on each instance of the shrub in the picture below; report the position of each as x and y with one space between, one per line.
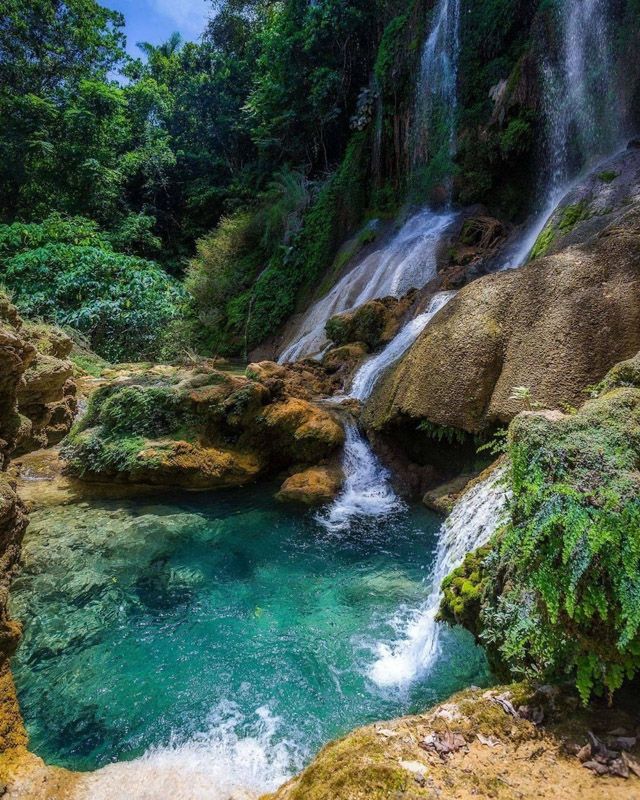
123 304
21 237
562 583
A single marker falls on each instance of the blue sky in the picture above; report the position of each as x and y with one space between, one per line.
155 20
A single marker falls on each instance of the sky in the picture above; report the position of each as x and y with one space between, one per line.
155 20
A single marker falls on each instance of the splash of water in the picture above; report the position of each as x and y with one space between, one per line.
408 261
370 372
235 759
474 520
367 492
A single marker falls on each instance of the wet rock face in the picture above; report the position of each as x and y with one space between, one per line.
553 327
595 203
16 355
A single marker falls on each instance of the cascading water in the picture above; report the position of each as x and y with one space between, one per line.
433 137
583 119
582 114
473 521
408 261
370 372
367 492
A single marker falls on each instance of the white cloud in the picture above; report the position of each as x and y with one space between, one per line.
190 16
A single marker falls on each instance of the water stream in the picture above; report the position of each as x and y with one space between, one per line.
372 370
416 636
406 262
434 123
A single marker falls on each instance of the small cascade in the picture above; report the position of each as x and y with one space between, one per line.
367 492
433 136
370 372
474 520
583 118
408 261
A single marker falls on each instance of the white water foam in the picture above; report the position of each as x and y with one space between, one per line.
232 760
370 372
408 261
367 491
474 520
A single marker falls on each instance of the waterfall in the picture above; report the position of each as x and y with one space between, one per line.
367 491
583 119
433 138
582 114
408 261
474 520
370 372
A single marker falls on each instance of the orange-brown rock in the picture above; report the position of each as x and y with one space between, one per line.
313 487
190 466
299 432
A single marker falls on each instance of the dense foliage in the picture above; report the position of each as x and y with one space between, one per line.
557 594
285 128
65 271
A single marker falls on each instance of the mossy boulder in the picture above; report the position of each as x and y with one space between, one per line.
197 428
462 592
373 324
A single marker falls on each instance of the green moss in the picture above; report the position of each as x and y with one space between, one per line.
608 176
93 452
624 374
463 590
574 214
88 363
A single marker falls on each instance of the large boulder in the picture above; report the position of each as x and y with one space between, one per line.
552 328
312 487
374 323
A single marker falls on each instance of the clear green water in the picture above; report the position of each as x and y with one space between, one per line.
216 619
